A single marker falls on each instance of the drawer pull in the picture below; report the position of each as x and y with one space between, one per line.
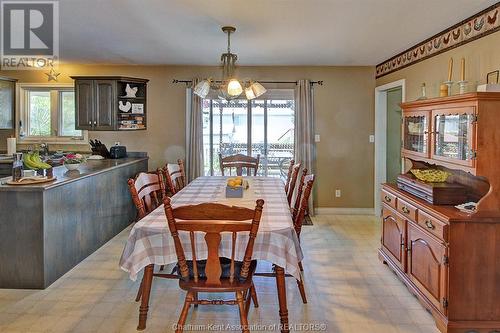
405 210
387 198
429 225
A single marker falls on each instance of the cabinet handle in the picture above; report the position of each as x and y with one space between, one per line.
429 225
90 122
387 198
95 122
405 210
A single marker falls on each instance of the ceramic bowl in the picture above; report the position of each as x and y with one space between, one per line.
72 167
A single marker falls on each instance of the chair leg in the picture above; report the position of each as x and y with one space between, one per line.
253 294
139 292
162 267
184 312
146 290
302 291
243 315
195 297
248 298
300 266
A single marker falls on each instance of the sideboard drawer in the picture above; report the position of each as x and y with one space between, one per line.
433 225
407 209
389 199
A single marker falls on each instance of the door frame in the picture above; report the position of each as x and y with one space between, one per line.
381 136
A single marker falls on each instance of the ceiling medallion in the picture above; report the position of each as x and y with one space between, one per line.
229 87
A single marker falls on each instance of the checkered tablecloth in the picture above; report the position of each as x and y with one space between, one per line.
150 241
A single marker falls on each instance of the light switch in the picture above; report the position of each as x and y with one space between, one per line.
317 138
372 138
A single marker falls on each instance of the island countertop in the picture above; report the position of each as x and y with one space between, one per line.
47 229
64 176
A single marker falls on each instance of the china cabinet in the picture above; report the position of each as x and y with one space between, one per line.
103 104
446 257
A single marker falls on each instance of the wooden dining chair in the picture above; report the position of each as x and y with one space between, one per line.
175 177
147 191
298 221
216 274
292 180
298 196
239 161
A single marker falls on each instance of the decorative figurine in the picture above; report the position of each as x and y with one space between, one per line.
424 95
130 91
124 107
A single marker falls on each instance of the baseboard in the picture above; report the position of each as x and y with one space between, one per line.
344 211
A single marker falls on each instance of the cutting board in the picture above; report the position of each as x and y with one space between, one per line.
31 181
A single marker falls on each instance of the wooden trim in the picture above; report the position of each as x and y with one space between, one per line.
439 101
343 211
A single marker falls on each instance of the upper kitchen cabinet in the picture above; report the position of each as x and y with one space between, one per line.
7 102
110 103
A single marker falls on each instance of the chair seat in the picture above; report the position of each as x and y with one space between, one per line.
226 284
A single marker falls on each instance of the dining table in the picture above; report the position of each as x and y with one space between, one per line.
150 242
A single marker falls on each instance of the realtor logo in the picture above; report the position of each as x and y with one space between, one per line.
30 34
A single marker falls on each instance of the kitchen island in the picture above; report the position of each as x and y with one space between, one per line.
47 229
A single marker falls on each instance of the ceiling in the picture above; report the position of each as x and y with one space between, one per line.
269 32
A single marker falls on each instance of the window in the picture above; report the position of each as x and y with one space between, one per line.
48 114
262 126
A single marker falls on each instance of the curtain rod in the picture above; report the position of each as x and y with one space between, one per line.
218 81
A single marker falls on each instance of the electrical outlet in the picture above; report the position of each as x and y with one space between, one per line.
338 193
317 138
371 138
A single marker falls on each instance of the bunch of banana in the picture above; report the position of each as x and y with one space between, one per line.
33 161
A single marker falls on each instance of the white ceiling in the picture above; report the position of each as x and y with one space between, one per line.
269 32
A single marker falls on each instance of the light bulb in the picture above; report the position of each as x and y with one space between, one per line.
234 88
258 89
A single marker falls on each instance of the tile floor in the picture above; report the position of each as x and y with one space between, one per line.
348 290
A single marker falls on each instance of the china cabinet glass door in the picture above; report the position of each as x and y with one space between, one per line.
416 133
453 136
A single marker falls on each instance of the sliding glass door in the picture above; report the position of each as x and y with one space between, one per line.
262 127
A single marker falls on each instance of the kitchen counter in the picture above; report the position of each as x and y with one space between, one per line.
64 176
47 229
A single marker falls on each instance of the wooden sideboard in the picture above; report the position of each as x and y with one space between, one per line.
450 259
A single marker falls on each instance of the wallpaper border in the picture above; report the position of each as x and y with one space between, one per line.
477 26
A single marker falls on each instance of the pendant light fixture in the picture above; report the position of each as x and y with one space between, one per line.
229 87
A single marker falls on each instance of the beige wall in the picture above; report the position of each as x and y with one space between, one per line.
344 119
481 56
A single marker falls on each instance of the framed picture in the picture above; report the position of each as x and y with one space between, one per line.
492 77
137 108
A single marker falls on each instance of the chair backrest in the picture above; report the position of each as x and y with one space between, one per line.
213 219
147 191
239 161
289 175
293 180
304 203
175 176
300 189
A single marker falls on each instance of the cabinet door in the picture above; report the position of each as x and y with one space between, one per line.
454 135
415 131
393 237
84 101
427 266
105 105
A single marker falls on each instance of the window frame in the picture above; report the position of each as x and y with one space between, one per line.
56 117
273 94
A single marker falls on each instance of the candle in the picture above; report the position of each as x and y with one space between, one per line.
11 146
462 70
450 69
